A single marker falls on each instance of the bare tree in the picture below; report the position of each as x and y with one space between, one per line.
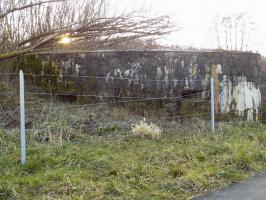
22 7
236 31
28 26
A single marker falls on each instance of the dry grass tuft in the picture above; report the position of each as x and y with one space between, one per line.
145 130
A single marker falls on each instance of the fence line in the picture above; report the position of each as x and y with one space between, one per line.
114 102
92 95
8 93
131 121
53 109
100 96
9 111
137 120
110 78
105 77
127 121
133 99
5 74
85 105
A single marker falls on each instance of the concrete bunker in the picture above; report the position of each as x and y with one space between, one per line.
151 74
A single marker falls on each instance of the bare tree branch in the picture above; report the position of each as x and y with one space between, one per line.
88 23
27 6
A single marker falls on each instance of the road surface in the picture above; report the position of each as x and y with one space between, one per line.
253 189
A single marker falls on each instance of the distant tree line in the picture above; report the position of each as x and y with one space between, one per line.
233 32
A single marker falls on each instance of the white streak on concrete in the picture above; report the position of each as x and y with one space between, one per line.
118 73
186 84
142 86
166 78
67 64
175 82
225 97
183 64
127 73
244 98
107 77
77 69
219 69
83 55
159 72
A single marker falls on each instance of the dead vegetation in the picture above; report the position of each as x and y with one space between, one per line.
30 26
145 130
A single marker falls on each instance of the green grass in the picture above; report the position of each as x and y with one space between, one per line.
182 164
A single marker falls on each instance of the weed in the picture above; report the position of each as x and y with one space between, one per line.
143 130
201 156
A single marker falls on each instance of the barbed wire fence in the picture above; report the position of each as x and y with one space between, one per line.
29 116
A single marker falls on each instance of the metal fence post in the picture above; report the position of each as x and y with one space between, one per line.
22 117
212 106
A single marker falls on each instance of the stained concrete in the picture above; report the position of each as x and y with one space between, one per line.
168 74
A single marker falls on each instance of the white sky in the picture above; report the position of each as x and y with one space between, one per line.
195 16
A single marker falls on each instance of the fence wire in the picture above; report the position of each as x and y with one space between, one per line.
52 109
109 78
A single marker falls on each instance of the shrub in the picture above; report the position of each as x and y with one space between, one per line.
145 130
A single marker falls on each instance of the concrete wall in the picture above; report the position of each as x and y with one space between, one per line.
168 73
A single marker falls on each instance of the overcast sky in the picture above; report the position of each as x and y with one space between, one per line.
195 18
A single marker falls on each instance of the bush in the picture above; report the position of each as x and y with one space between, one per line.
145 130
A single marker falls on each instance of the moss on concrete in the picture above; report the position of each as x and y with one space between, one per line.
32 64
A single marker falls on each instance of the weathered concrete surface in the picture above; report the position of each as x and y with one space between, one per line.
168 74
254 189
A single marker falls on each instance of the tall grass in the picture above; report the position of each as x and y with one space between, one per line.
181 164
143 129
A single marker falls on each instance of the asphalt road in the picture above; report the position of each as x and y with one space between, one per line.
253 189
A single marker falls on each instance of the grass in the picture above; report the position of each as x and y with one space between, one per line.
183 163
